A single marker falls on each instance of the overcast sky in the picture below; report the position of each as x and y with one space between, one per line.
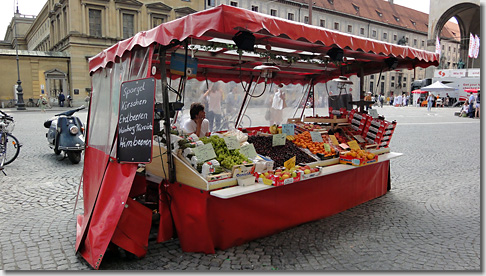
33 7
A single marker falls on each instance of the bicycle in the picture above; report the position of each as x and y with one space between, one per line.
30 103
9 145
229 120
11 103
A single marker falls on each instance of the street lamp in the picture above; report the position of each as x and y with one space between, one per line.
20 95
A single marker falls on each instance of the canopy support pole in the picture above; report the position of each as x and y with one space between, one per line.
165 99
361 88
311 84
244 103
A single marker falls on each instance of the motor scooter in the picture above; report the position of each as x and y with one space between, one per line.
66 134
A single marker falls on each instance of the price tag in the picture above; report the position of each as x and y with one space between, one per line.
327 147
278 140
248 151
354 145
232 142
334 140
289 164
288 129
344 146
316 136
205 152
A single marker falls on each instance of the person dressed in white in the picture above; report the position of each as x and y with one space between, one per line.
198 123
430 100
399 100
404 100
277 106
214 96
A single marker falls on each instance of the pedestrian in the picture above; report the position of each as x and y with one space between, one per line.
464 109
472 99
277 106
197 124
42 102
430 101
380 99
61 99
477 105
69 101
368 98
214 97
447 100
404 100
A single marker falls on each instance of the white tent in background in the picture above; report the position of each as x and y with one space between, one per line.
438 88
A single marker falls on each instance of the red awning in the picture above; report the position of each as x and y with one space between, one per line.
299 50
418 91
471 90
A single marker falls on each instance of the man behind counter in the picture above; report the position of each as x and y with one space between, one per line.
198 123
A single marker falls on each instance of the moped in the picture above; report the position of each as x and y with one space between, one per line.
66 134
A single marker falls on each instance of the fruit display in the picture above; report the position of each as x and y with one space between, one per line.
358 157
275 129
226 157
304 140
284 176
279 154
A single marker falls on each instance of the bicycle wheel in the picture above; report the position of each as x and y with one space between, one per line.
12 149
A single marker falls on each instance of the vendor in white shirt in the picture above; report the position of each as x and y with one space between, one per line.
198 123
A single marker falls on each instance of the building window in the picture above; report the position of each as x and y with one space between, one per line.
331 2
404 78
371 86
95 22
157 20
336 26
211 3
374 33
290 16
379 13
396 18
128 28
443 47
382 77
372 77
392 84
273 12
415 42
254 8
393 78
350 28
395 37
404 85
423 43
322 23
306 19
454 50
385 36
234 4
361 31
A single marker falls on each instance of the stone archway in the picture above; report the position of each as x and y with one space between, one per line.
468 16
56 82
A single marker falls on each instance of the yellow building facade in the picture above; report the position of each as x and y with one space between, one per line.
78 30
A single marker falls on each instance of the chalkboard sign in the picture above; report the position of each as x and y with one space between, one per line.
135 121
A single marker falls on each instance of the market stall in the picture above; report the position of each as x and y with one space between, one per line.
254 193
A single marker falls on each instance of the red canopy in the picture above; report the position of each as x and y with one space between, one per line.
299 50
418 91
471 90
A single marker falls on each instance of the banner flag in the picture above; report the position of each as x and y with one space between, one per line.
476 46
437 46
471 45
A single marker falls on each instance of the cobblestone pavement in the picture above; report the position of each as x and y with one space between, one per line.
430 220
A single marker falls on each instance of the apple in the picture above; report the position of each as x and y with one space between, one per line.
307 171
294 174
